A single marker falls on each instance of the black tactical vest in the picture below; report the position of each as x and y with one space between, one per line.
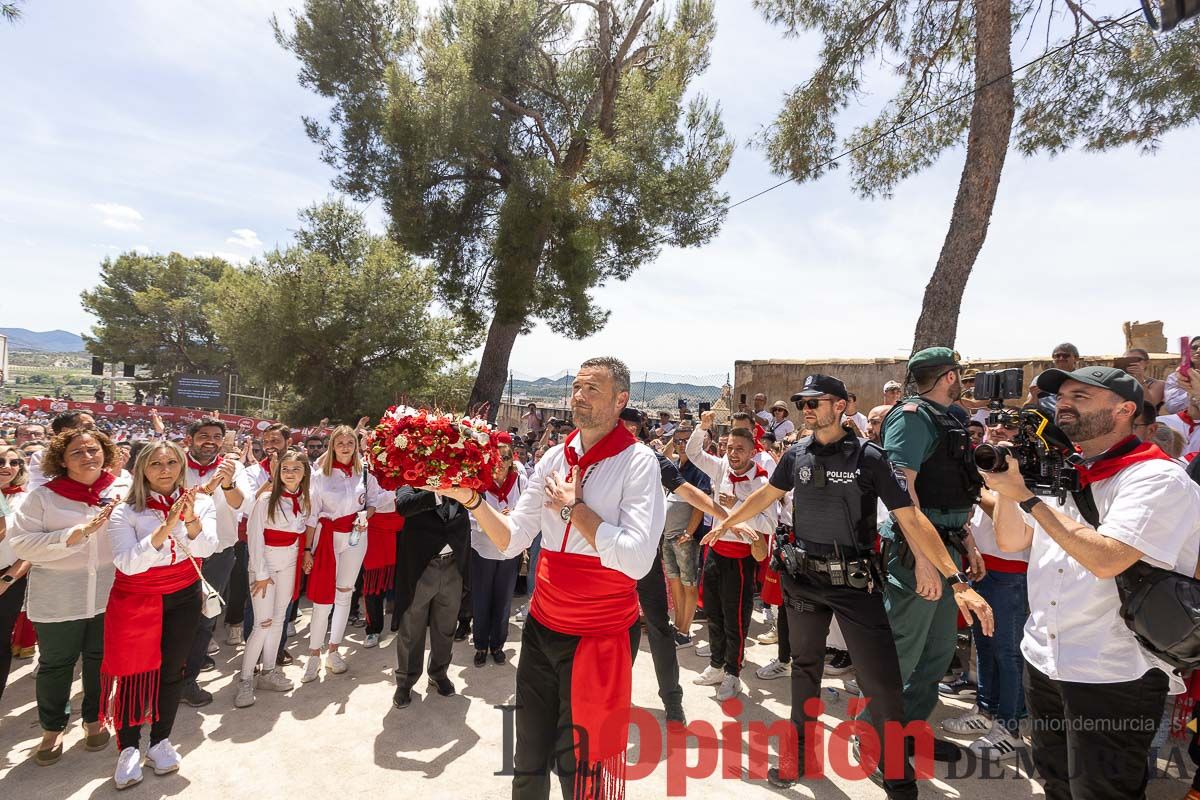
827 502
948 480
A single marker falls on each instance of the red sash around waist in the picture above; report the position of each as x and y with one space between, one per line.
379 566
277 538
322 580
129 673
576 595
731 549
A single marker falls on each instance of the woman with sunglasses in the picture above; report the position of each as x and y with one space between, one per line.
1136 360
61 528
13 479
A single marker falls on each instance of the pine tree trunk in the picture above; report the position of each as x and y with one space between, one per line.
493 365
987 145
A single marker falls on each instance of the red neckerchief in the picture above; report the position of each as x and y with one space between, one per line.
346 468
161 502
759 433
265 465
9 491
203 469
759 472
1191 423
502 491
81 492
613 443
295 498
1118 457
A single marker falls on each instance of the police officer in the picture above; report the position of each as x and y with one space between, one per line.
828 568
931 451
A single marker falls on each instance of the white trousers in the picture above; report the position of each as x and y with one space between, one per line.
270 612
349 562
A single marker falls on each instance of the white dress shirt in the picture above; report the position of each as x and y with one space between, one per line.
65 582
131 532
480 542
984 533
1175 397
1075 631
7 556
227 515
718 470
624 490
338 494
264 559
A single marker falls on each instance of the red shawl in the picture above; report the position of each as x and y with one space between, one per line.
576 595
129 673
379 565
322 580
81 492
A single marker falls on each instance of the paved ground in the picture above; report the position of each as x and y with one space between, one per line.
339 737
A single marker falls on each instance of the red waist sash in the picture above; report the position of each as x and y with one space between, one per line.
129 673
277 538
379 566
576 595
322 580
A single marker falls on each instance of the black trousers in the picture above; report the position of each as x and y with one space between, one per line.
10 609
181 618
784 630
373 603
728 601
217 570
434 608
810 602
1091 741
545 738
237 595
492 583
652 594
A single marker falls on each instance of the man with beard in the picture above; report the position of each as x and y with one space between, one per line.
875 422
932 452
225 481
1095 695
597 500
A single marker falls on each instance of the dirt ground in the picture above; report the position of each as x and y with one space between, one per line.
340 737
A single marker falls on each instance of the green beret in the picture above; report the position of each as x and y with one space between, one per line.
933 357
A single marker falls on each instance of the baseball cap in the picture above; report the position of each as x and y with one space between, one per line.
631 415
817 384
1117 381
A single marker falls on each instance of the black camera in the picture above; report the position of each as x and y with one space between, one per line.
1044 454
787 558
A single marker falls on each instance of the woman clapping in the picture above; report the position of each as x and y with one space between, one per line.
158 537
61 528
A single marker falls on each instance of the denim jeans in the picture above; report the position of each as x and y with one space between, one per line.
535 547
998 657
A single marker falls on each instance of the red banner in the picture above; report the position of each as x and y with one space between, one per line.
168 414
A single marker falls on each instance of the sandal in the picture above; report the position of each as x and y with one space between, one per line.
92 742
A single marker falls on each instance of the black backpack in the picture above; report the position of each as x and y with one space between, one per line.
1160 606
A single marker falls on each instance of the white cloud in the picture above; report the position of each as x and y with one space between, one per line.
233 258
244 237
119 217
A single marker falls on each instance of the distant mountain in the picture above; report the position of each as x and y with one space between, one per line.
653 394
43 341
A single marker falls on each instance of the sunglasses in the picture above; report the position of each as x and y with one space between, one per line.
14 462
1061 356
812 403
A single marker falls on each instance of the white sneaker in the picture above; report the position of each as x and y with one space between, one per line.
703 650
233 634
163 758
731 686
335 662
769 616
275 681
312 669
770 637
372 640
972 722
245 694
291 629
129 768
996 745
776 669
710 677
213 647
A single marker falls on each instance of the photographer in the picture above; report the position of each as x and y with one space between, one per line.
1095 696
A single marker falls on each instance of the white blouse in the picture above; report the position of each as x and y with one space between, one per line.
131 532
7 556
283 520
65 582
338 494
479 540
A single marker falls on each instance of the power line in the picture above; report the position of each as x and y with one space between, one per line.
907 123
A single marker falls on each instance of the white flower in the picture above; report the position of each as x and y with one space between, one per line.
402 442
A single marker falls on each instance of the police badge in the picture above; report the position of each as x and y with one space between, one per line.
804 474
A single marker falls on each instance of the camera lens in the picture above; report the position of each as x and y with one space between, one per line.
990 458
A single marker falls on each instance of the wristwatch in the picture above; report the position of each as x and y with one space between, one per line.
958 578
1028 505
7 579
564 513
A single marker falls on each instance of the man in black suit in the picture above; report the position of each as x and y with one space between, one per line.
431 561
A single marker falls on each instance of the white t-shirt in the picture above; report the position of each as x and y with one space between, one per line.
1075 631
984 533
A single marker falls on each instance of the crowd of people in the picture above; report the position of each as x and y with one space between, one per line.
868 539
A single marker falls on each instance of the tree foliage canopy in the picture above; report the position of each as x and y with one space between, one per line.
1119 86
154 310
340 321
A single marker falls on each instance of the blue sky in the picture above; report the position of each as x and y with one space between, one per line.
176 126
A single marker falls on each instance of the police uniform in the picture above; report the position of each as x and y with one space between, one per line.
921 435
831 571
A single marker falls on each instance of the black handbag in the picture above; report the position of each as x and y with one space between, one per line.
1160 606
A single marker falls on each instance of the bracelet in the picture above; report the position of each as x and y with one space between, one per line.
190 521
226 488
477 498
